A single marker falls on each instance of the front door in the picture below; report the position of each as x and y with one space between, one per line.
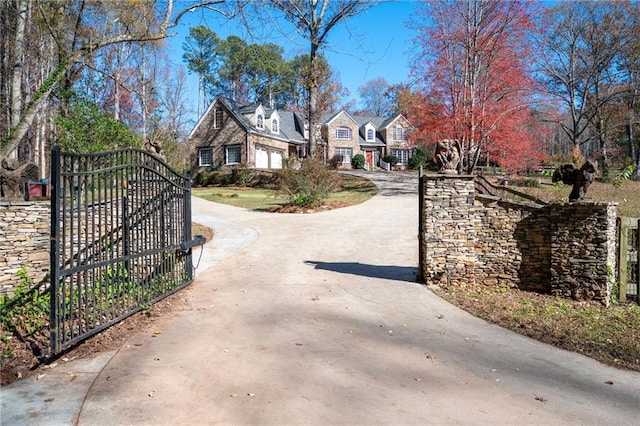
369 159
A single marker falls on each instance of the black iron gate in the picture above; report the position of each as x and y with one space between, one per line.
120 239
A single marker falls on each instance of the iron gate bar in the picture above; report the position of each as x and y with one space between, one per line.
120 239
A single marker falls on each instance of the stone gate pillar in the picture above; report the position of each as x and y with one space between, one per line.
448 230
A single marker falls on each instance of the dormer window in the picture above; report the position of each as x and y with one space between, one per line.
274 126
260 121
343 133
370 135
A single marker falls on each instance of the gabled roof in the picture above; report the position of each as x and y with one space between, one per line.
291 128
292 124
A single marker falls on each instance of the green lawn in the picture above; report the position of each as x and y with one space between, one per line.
354 190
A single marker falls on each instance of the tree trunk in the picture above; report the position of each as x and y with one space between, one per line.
313 96
17 71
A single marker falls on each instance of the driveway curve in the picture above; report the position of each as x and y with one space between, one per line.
316 319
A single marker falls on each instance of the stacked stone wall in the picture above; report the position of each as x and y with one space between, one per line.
566 249
449 230
24 243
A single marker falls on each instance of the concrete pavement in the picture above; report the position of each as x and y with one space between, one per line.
316 319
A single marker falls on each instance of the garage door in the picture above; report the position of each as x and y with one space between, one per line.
262 158
276 160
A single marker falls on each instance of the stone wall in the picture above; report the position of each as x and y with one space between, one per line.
566 249
24 242
449 230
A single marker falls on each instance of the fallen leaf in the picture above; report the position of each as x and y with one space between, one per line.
251 394
299 344
49 400
390 332
440 316
157 332
234 395
540 398
315 299
40 376
152 394
609 382
156 359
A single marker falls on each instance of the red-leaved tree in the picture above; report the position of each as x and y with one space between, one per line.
472 67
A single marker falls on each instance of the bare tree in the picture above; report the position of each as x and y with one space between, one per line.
374 95
79 30
582 47
314 20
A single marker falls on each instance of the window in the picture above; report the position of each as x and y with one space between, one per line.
232 154
205 157
343 133
217 118
260 122
370 134
345 154
274 125
403 156
399 133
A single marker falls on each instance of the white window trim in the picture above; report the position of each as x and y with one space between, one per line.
403 136
346 159
373 135
348 131
217 124
276 128
200 162
260 121
401 158
226 154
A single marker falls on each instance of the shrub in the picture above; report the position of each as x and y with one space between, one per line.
308 186
419 158
391 159
335 161
357 162
242 175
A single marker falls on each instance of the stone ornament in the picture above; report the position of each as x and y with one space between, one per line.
447 156
580 178
13 177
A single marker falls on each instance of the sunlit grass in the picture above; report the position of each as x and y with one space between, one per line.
353 190
627 195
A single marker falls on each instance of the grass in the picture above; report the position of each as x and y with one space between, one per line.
353 190
610 335
627 195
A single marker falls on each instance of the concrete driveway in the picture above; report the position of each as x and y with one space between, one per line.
316 319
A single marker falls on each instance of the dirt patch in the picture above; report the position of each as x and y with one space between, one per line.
330 205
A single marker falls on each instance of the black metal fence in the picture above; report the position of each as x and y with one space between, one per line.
629 258
120 239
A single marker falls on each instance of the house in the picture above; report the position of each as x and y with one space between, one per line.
230 134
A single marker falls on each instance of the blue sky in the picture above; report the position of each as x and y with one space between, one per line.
370 45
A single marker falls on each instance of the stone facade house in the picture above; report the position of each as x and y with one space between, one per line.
230 134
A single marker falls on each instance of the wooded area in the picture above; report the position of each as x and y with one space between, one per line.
515 82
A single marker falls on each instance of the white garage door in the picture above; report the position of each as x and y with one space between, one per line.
276 160
262 158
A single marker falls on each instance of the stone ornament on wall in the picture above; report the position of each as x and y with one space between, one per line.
13 177
447 156
580 178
